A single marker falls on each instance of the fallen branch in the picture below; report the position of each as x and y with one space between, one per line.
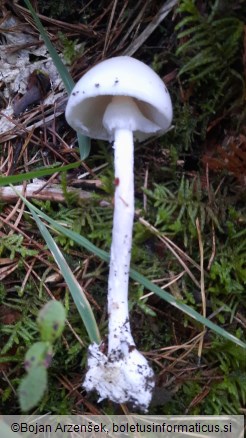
34 190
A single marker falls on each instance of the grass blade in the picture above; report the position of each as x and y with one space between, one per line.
62 69
13 179
77 293
84 146
80 240
84 142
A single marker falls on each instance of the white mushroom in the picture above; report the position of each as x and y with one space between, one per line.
116 99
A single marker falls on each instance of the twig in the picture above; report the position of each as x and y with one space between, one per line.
202 285
159 17
134 23
52 193
166 285
213 231
145 187
168 245
109 28
213 249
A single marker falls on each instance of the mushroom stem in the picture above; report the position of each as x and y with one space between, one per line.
119 327
123 375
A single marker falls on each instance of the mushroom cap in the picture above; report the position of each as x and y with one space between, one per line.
119 76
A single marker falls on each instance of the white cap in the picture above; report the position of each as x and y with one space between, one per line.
119 76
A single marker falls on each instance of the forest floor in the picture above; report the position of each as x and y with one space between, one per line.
189 231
